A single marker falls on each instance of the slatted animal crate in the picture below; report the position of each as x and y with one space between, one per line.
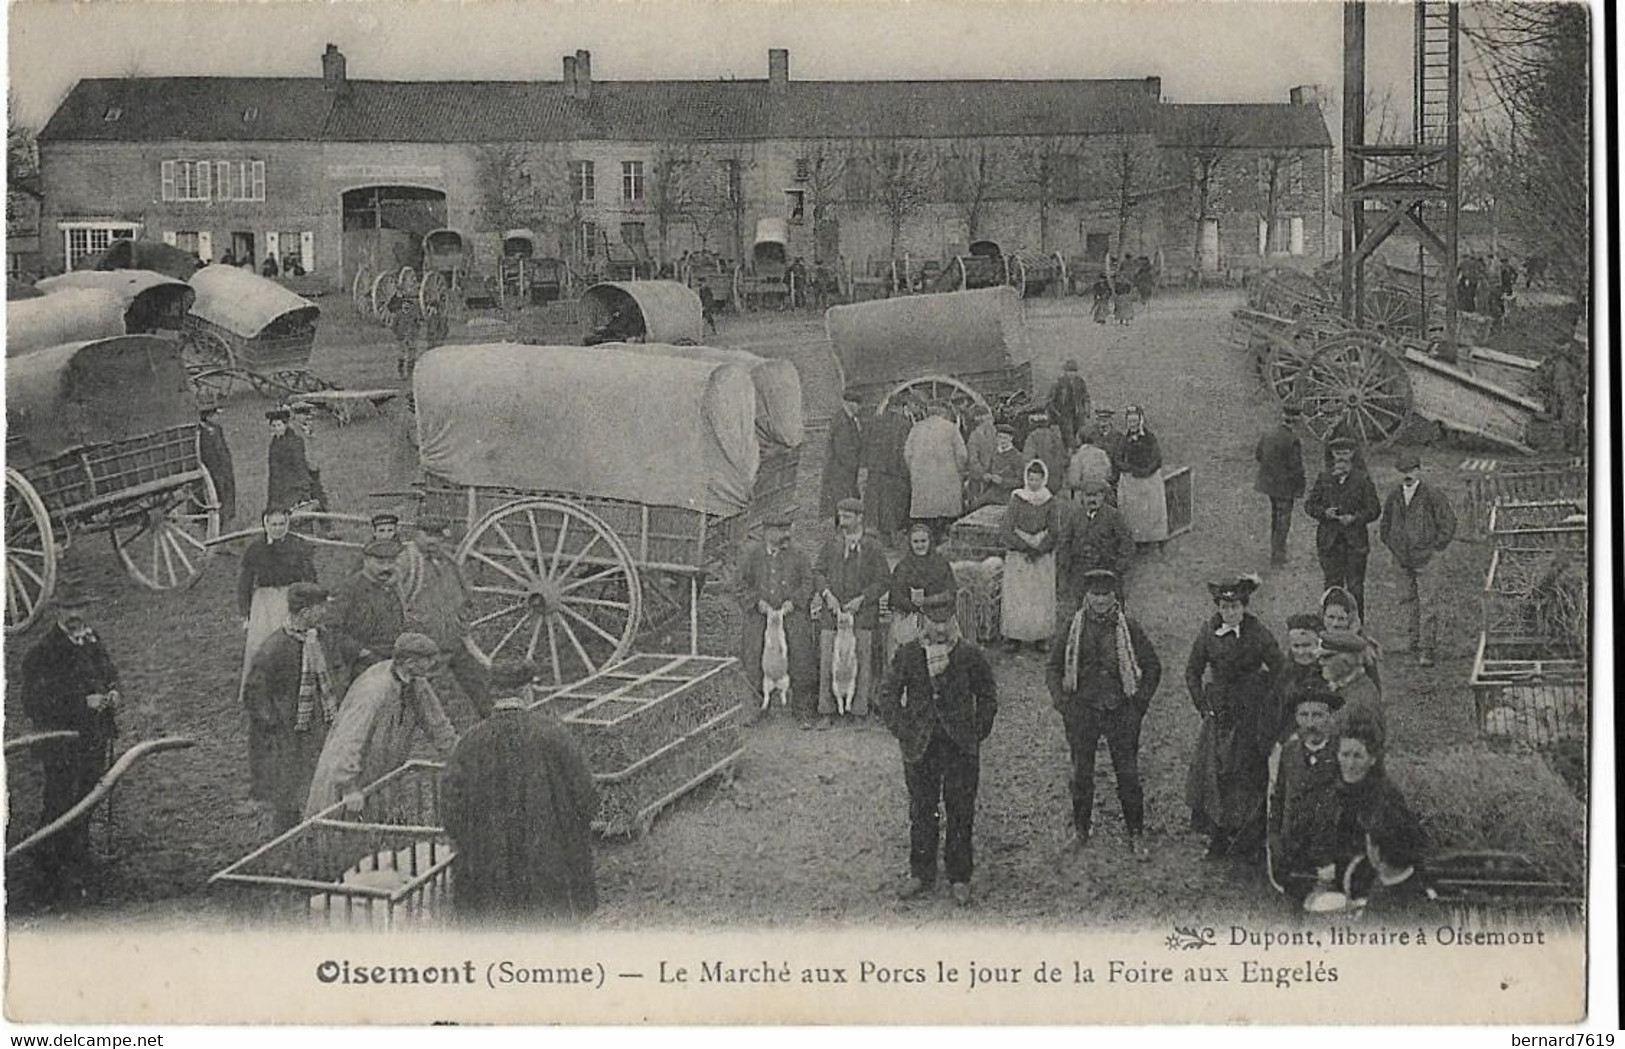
1490 481
1537 595
653 728
1553 524
388 865
977 535
1522 694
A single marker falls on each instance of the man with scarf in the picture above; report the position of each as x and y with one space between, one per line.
437 605
295 685
1103 673
518 802
373 733
939 699
1344 504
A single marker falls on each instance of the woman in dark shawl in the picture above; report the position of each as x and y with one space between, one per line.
922 580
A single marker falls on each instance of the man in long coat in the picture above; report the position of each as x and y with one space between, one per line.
437 605
849 575
1280 477
518 802
1069 404
936 457
939 699
288 484
383 710
295 685
1417 526
1344 504
215 454
1090 537
775 575
367 606
69 684
845 455
886 485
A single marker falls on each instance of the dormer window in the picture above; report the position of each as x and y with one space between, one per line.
112 114
251 114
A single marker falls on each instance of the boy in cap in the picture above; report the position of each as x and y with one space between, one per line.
1103 673
1279 454
295 684
1417 526
939 699
538 868
367 606
849 575
774 575
436 600
1344 504
373 733
69 684
1069 403
215 455
1342 665
845 456
1303 807
386 525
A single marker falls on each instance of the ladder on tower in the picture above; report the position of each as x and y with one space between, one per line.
1433 111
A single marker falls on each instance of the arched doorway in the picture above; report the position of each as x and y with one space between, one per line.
384 226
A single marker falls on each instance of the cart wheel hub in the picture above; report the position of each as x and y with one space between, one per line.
545 598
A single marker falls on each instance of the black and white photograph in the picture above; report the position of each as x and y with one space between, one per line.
716 511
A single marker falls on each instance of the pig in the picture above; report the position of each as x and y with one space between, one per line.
775 660
843 671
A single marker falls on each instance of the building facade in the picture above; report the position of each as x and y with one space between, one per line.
333 173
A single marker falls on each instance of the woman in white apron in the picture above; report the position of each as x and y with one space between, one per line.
273 563
1028 613
1141 495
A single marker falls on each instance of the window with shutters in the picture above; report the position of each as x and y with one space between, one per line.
632 181
186 240
185 180
581 181
202 180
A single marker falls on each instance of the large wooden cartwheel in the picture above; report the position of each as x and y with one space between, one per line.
931 390
384 288
439 295
1287 293
165 541
1287 355
1393 308
361 290
1357 386
31 554
550 582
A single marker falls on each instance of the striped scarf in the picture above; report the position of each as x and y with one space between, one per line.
314 680
1128 664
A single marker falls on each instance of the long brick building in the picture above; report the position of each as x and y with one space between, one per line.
336 171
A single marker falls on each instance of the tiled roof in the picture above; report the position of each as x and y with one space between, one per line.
1252 125
213 109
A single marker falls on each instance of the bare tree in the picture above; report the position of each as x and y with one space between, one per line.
1208 140
679 190
971 182
22 143
521 186
1275 171
1049 171
1133 169
826 171
902 173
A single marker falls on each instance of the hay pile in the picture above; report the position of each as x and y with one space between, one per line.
1472 797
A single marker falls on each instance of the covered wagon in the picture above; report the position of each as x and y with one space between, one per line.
102 436
599 488
642 310
244 327
70 315
152 301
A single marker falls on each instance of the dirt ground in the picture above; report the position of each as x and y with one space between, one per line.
813 827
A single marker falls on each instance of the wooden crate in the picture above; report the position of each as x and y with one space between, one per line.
977 535
1522 695
1489 481
1508 608
1552 524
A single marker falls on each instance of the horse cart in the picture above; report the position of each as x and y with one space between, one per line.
525 278
768 282
961 350
248 329
598 490
437 284
152 302
102 436
661 311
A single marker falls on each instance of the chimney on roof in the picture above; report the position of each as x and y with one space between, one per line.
1305 95
571 88
583 73
1153 87
333 68
778 67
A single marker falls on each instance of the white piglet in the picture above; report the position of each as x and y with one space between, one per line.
843 670
775 660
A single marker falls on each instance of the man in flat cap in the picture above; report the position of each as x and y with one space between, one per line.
1103 673
1279 454
372 735
939 699
296 682
518 802
1069 403
367 606
1342 665
776 577
886 482
1090 463
845 454
69 684
215 455
288 480
1417 527
849 575
436 598
1303 799
1001 475
1091 536
1344 504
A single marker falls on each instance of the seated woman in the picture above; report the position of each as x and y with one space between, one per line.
922 580
1029 564
1340 611
1379 840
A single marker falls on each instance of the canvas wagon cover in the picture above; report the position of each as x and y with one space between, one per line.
955 333
591 422
779 418
671 311
69 315
65 397
244 303
150 299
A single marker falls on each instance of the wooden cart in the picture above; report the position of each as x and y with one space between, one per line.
662 311
767 283
248 329
102 436
576 545
437 283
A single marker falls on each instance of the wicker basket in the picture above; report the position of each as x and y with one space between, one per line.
1520 695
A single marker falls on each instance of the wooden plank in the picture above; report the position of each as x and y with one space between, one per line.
1179 496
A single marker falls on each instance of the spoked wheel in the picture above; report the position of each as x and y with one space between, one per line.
1393 308
31 554
383 290
210 362
1355 386
165 544
361 290
1284 292
1286 357
433 294
933 390
550 582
